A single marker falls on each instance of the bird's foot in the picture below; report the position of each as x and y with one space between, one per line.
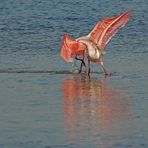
107 74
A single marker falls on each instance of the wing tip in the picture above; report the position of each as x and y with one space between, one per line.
128 13
64 53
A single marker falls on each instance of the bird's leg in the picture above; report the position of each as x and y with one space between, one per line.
88 68
103 67
82 63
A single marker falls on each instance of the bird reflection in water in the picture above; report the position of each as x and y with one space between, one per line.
93 109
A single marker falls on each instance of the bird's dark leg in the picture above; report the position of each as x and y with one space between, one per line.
82 63
88 68
106 73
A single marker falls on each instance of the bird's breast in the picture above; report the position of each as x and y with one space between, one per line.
94 55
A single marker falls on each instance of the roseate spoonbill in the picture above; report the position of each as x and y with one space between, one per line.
92 45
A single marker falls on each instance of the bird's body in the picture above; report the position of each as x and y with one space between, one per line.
92 45
93 51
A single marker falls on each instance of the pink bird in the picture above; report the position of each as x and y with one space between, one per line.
92 45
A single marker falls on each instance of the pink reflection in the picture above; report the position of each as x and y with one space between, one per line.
93 104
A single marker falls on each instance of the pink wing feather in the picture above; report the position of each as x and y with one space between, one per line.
71 47
107 28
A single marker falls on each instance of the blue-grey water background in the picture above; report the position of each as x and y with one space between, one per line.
43 105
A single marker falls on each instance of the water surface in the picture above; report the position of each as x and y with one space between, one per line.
44 104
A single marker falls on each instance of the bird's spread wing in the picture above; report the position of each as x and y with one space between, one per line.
69 47
107 28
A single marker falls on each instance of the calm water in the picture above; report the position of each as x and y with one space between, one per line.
43 105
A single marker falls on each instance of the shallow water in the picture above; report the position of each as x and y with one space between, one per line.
44 104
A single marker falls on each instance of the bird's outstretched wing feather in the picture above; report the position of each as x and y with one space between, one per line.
107 28
69 47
